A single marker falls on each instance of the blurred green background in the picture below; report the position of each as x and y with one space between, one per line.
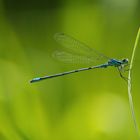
91 105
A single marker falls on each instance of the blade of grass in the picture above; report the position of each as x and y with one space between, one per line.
130 84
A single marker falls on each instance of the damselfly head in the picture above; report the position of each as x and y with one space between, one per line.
125 61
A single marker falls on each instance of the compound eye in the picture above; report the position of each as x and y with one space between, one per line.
124 60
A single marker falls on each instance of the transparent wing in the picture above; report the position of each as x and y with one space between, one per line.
72 58
76 47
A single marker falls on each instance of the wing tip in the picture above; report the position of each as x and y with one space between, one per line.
59 34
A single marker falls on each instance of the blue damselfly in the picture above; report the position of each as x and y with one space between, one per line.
76 50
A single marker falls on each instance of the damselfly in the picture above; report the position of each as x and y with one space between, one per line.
76 50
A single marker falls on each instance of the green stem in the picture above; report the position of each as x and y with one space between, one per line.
130 81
